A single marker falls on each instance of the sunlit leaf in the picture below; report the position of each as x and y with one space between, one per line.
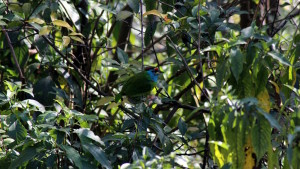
249 158
62 24
279 57
155 12
122 15
89 134
45 30
66 40
76 34
71 12
2 23
264 100
77 39
105 100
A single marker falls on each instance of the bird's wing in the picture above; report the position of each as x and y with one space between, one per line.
138 85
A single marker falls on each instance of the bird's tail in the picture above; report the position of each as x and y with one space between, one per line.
118 97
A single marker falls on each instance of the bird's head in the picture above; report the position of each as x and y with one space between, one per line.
153 72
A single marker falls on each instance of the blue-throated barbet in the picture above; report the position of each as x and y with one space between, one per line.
141 84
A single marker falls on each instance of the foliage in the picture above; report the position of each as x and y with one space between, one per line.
228 97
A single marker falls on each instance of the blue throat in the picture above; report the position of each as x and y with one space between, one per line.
153 76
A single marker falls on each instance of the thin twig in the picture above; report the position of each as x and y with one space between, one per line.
150 46
170 115
95 28
189 154
201 71
256 11
199 43
142 34
14 55
154 49
128 112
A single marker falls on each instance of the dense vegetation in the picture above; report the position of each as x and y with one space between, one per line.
228 96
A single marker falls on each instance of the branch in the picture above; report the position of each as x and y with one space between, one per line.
199 49
128 112
170 115
187 67
198 78
190 154
142 33
150 46
14 55
74 66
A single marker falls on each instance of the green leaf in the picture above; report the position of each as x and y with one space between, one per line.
122 15
215 48
36 20
214 15
74 86
134 5
22 54
150 4
108 9
26 7
17 131
166 142
7 141
26 155
43 91
34 103
89 134
182 126
220 74
261 136
262 79
166 5
234 135
2 23
71 12
122 56
105 100
98 153
270 118
236 58
247 32
74 156
279 57
150 30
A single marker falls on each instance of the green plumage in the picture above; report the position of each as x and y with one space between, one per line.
138 85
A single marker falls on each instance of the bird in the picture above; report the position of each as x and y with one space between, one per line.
140 84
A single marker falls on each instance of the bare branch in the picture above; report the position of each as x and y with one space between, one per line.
14 55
